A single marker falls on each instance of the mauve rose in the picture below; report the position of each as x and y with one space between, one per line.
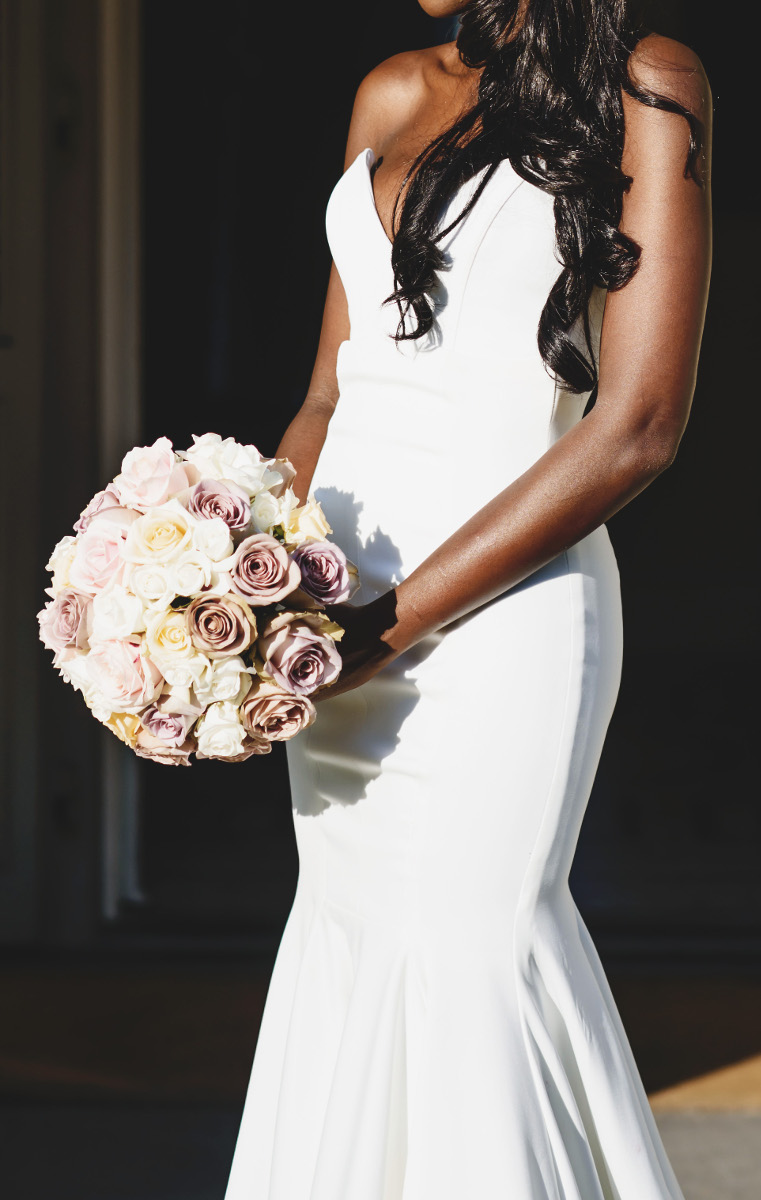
65 620
126 678
220 498
220 625
324 572
151 474
274 714
149 746
298 652
108 498
171 728
261 569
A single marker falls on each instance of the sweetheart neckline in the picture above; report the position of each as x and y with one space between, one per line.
369 153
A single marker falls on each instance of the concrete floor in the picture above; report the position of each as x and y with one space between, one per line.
86 1152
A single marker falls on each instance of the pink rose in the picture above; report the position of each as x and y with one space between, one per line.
64 621
274 714
108 498
151 474
219 498
262 571
220 625
126 678
98 556
159 751
298 652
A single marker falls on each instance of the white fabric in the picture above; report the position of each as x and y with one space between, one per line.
438 1025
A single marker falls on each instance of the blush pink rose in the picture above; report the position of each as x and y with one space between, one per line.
298 653
65 620
126 678
272 713
220 498
108 498
151 474
262 570
98 557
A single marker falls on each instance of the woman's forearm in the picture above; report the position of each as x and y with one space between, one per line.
303 440
581 481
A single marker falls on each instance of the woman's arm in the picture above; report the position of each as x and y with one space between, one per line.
648 360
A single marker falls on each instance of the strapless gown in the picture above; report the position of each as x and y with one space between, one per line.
438 1025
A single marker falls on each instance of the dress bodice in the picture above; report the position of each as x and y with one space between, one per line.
501 265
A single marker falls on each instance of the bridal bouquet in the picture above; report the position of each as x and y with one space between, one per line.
187 608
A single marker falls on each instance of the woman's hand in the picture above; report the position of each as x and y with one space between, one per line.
363 648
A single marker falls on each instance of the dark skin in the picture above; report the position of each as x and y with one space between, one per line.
648 357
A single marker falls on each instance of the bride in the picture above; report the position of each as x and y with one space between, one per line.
522 227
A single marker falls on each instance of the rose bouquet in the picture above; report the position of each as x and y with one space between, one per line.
188 606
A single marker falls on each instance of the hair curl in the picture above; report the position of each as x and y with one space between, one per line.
549 100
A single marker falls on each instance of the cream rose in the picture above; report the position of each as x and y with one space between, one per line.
167 635
308 521
160 535
60 563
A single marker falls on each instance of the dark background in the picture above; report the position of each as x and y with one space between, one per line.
155 1000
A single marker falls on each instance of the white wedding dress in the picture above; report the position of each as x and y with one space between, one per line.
438 1025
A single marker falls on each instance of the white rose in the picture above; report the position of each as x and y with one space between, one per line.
184 671
191 572
215 458
151 583
161 535
116 613
76 670
213 538
219 731
227 679
265 512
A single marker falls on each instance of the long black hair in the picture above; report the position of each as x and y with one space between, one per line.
549 100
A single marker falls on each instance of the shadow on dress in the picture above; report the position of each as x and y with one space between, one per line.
335 760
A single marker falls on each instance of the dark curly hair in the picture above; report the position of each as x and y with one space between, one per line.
549 100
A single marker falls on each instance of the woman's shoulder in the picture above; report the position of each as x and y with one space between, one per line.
394 88
672 69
